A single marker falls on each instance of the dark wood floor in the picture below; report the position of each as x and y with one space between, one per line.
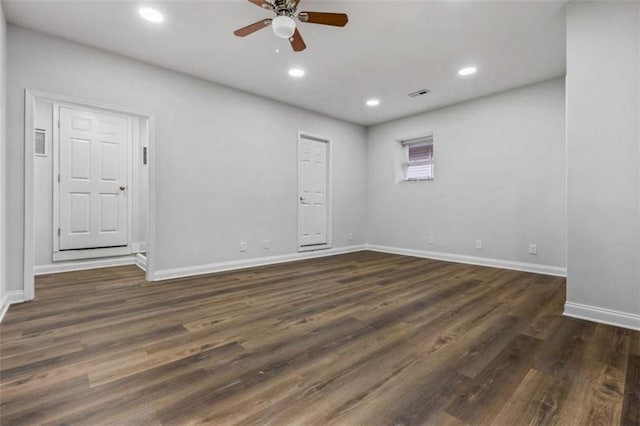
359 339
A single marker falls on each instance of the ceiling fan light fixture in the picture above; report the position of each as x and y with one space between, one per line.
283 26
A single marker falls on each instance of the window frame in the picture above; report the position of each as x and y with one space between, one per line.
422 140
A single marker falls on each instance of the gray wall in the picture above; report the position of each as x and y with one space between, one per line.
3 197
603 75
499 178
225 160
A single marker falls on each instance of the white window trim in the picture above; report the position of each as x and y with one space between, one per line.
406 142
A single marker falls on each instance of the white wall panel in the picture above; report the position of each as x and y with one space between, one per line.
603 132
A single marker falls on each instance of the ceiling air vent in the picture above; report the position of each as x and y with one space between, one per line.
419 93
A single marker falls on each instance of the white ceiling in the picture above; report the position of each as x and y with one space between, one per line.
388 48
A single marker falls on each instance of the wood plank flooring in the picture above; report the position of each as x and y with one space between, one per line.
358 339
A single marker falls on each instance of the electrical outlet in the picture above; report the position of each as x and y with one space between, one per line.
351 237
267 244
432 240
243 246
533 249
478 244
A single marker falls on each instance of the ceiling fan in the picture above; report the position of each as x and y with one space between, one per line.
284 24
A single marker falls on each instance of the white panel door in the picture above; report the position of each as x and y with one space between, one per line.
94 165
312 183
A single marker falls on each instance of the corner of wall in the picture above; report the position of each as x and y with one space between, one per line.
3 168
602 315
603 38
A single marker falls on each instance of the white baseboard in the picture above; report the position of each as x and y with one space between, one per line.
167 274
602 315
84 264
141 261
557 271
16 296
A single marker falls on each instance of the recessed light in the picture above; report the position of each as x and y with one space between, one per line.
373 102
467 71
151 15
296 72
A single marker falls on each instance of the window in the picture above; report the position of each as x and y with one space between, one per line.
419 159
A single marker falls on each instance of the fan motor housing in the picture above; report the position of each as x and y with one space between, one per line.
281 7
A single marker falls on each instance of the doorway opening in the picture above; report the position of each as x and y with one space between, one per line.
88 186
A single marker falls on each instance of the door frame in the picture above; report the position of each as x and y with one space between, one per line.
329 244
133 143
30 99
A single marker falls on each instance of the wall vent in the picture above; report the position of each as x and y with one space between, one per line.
419 93
41 142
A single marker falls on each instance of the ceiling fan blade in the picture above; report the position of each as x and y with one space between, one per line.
262 3
335 19
297 42
250 29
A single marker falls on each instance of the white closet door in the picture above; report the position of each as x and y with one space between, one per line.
94 155
312 170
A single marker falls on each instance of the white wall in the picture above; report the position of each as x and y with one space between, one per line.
603 109
43 188
499 178
225 160
3 175
141 188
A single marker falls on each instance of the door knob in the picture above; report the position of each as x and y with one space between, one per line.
122 187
